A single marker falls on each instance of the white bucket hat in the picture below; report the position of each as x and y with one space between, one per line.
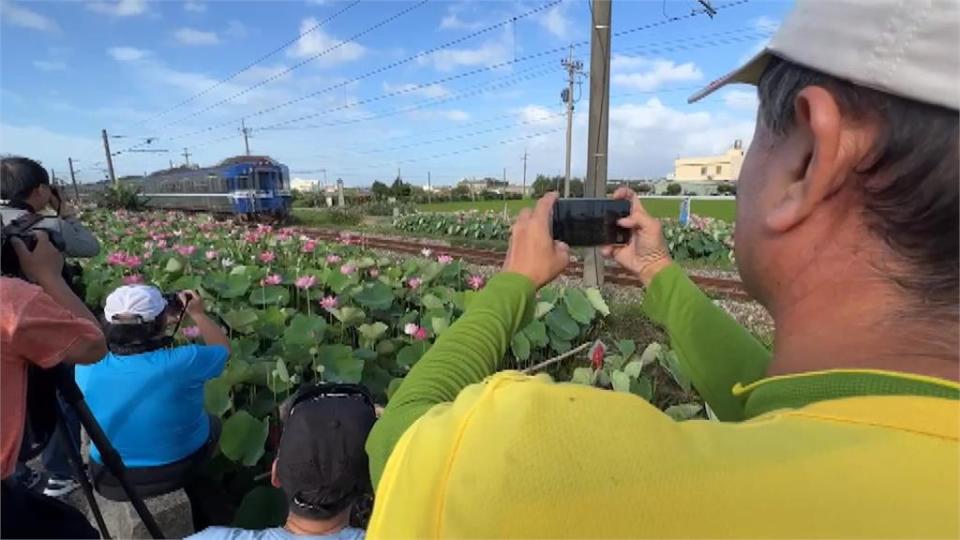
907 48
143 301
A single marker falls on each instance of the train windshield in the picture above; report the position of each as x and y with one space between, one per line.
266 180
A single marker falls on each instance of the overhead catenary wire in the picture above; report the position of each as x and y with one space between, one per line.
721 39
250 65
462 75
373 72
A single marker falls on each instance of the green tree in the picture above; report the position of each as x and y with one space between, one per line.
380 190
673 188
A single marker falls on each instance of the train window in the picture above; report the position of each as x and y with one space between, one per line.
243 182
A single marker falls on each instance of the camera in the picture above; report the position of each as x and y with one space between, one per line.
22 228
173 301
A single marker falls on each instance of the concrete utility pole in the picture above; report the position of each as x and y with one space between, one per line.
574 68
340 201
186 156
246 135
106 149
429 189
73 179
523 194
505 183
598 132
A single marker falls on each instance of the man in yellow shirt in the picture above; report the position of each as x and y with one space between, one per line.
846 232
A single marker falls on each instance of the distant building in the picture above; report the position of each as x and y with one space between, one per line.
722 168
493 185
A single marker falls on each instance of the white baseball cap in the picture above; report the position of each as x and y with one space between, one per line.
141 300
907 48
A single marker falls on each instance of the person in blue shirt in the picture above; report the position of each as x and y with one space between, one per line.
321 465
148 396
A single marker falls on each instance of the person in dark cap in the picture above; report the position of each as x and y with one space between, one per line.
321 465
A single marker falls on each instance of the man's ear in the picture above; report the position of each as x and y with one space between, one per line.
274 479
816 158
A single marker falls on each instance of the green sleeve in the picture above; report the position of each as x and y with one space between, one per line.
713 349
467 352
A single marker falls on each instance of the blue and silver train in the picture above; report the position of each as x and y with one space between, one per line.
248 187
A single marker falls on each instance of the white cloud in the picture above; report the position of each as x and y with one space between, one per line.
555 20
49 65
46 146
645 137
194 6
455 114
119 8
191 36
452 21
652 74
745 100
540 116
765 24
491 52
17 15
317 41
127 54
236 30
429 91
316 2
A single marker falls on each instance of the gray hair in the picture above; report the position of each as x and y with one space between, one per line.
910 179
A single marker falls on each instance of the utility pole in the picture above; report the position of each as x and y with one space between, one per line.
73 179
106 149
340 202
523 194
505 183
429 189
598 131
171 163
186 156
246 134
574 68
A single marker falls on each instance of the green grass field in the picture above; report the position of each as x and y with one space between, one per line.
720 209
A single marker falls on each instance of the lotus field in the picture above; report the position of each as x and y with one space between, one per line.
706 239
298 310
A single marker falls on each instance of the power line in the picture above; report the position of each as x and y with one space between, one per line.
247 67
725 37
380 69
303 62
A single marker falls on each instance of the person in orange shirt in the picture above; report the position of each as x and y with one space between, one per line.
42 323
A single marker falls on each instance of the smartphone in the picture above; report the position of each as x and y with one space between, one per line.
590 222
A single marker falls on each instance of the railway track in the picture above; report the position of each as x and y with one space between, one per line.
718 287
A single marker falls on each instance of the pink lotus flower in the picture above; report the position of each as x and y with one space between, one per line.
211 255
190 332
305 282
374 272
116 258
410 329
348 269
426 252
132 261
597 352
333 259
133 279
420 334
186 251
147 254
329 302
272 279
148 244
476 282
414 282
161 243
308 246
444 259
267 257
251 237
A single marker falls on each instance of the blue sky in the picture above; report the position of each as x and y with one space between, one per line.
361 101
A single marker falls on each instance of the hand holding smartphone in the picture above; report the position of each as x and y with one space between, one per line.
590 222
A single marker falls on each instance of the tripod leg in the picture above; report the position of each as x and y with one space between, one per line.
76 461
111 458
